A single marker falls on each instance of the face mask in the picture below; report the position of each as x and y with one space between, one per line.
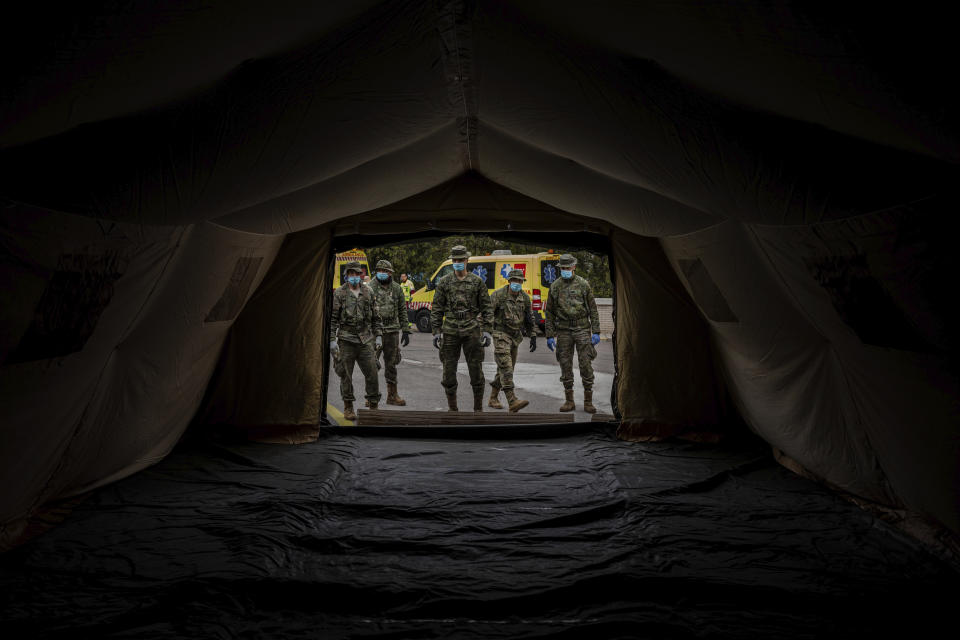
383 277
515 286
353 280
566 273
459 266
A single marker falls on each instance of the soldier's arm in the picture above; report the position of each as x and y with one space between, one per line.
528 321
401 308
335 316
548 311
594 314
437 308
377 318
486 308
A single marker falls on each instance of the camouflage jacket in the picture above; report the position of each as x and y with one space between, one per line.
512 315
392 306
461 306
570 305
355 318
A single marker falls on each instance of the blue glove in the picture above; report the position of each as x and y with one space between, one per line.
334 347
551 343
595 339
486 339
379 341
438 340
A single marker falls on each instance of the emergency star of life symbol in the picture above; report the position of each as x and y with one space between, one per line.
549 274
480 271
505 271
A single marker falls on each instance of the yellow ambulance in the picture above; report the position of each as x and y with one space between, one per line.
354 255
540 269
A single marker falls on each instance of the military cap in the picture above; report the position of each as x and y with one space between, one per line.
516 273
385 265
459 251
353 266
568 260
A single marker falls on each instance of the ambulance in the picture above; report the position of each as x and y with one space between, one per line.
354 255
540 270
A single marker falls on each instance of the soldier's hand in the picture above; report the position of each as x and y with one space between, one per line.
533 343
551 344
486 339
379 342
334 347
595 339
405 339
438 340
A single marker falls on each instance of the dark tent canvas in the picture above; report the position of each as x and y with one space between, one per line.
774 183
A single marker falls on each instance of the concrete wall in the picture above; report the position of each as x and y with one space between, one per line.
605 307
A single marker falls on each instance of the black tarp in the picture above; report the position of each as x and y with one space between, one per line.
452 532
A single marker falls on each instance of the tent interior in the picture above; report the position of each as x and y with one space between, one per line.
774 184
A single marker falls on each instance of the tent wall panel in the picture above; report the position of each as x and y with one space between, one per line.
664 359
271 369
888 337
787 377
156 377
121 401
74 287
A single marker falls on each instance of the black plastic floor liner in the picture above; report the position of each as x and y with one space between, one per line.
390 537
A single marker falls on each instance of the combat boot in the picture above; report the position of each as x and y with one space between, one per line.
568 405
393 398
588 401
478 400
372 405
515 403
348 413
452 402
494 402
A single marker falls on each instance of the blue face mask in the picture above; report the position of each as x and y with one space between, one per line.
515 286
459 266
566 273
383 277
353 280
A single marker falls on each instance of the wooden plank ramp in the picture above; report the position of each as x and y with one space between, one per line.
381 417
603 417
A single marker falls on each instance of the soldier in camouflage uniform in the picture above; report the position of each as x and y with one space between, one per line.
461 317
356 326
512 319
393 312
573 322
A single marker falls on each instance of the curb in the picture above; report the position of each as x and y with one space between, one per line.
337 416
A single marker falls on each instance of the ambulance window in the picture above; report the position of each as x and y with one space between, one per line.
444 270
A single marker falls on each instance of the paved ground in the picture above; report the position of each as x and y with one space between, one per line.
537 378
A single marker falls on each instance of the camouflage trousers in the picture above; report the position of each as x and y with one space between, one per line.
391 356
567 341
361 354
505 355
450 356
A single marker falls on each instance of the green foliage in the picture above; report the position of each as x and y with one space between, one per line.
420 259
